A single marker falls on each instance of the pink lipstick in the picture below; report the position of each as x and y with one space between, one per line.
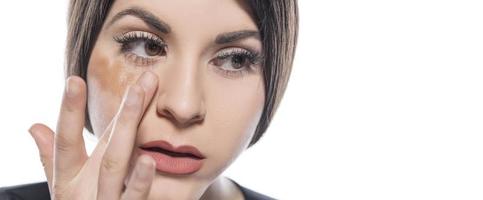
180 160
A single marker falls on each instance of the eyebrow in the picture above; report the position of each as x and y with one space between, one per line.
148 18
154 22
234 36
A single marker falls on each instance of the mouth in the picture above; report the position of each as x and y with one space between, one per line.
172 153
179 160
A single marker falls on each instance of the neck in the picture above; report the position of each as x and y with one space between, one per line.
222 188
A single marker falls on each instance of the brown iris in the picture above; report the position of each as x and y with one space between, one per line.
238 61
152 49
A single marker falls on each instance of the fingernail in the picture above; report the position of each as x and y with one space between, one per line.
71 88
32 129
146 165
147 80
33 132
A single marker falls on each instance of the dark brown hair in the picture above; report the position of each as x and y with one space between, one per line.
277 21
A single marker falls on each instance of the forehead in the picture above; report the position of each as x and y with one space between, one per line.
194 15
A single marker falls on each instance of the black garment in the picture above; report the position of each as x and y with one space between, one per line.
40 191
31 191
250 194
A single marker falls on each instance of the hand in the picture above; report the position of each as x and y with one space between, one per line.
71 174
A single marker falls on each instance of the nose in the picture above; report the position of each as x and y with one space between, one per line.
180 96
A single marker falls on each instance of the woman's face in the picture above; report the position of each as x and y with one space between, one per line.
210 91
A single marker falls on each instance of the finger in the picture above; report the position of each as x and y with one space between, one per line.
149 82
69 147
44 138
140 183
114 164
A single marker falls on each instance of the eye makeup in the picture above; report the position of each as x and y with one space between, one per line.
146 49
236 62
141 48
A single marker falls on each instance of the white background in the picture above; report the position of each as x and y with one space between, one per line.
385 100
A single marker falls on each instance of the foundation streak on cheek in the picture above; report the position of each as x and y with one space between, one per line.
108 77
111 76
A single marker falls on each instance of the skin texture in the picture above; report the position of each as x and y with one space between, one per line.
188 100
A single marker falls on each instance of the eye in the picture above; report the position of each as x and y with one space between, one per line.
141 48
236 62
153 49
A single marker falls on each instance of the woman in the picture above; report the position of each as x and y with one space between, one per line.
174 90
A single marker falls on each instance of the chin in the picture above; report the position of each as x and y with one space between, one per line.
177 187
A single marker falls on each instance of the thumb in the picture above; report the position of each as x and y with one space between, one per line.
44 138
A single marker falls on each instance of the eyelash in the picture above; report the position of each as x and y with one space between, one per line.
253 59
130 41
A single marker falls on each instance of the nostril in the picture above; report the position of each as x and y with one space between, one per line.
198 118
183 122
166 113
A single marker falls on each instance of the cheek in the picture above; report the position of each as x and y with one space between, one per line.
236 109
107 80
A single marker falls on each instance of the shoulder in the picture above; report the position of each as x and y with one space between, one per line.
37 191
249 194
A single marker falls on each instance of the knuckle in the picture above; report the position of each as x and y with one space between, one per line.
110 165
63 142
58 196
73 104
70 105
62 146
138 188
58 192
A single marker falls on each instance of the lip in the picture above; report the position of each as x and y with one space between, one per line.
168 146
170 163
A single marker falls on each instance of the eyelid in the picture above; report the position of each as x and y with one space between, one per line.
136 35
254 56
129 38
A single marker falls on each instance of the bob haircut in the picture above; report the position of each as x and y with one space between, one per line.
276 20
